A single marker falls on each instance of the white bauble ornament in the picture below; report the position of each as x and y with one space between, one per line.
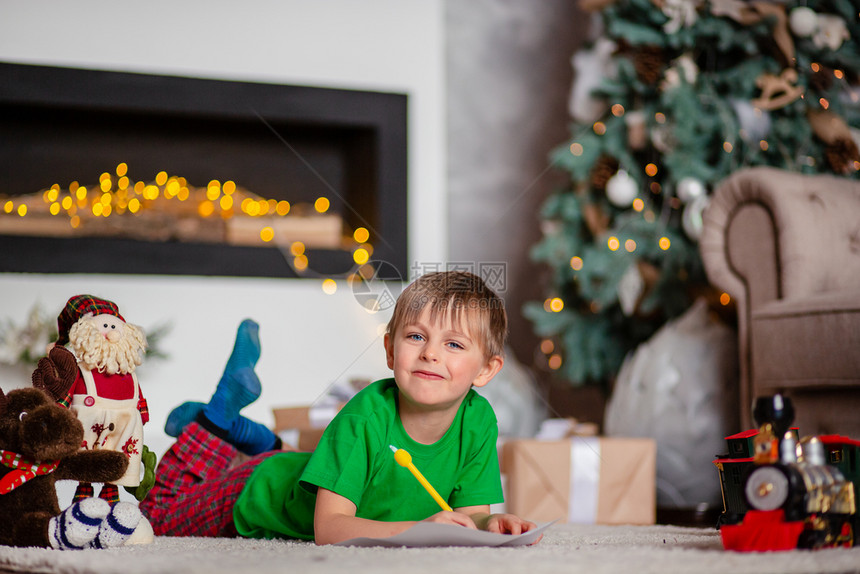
690 188
803 21
621 189
692 218
755 122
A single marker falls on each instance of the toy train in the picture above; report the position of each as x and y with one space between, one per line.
781 493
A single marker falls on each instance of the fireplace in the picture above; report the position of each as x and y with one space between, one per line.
284 146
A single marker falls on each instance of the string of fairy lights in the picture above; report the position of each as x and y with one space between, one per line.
116 195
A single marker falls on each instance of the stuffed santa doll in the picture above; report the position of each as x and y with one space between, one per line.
105 396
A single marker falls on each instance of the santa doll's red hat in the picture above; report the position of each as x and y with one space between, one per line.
77 307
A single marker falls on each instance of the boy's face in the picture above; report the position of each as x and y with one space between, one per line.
436 363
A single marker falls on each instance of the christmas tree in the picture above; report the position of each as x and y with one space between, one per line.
670 97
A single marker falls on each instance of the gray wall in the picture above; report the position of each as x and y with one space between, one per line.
508 79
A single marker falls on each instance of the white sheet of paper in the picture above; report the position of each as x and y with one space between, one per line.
432 534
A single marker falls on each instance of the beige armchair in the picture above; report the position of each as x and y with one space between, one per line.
786 247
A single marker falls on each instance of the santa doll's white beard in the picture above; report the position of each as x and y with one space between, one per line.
96 353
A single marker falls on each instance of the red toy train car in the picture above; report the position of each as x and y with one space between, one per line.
781 493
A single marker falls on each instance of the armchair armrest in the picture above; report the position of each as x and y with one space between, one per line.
771 234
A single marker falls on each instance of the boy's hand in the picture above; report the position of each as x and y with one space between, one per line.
508 524
456 518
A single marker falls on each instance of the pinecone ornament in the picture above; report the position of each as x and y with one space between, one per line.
604 168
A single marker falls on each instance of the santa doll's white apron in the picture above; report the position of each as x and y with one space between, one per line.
111 424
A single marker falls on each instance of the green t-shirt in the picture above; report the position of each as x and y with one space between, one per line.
354 460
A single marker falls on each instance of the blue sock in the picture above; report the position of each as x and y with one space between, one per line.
181 416
246 348
236 390
251 437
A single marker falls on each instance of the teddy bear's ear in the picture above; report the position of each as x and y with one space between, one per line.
3 402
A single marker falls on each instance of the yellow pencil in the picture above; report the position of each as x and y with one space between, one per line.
404 459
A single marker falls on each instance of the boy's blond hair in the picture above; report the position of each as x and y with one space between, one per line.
461 295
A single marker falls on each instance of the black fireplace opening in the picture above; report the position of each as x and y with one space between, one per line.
285 143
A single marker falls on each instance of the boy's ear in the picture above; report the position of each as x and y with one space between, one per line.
490 370
389 351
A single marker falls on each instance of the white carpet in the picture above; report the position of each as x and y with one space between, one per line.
565 548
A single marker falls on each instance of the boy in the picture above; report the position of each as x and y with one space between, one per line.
446 335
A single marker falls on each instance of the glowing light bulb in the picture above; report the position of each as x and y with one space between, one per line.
329 286
322 204
613 243
360 256
361 235
547 346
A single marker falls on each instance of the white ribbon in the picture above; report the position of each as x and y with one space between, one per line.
584 479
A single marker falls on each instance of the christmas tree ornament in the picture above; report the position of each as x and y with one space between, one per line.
843 156
828 127
649 61
832 32
604 168
681 13
692 218
621 189
841 152
755 122
690 189
803 21
637 130
684 69
630 289
778 91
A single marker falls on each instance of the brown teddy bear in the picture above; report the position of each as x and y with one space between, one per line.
39 444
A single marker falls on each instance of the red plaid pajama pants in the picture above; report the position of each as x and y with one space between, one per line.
196 486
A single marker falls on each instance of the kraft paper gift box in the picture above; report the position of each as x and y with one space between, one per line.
302 427
591 480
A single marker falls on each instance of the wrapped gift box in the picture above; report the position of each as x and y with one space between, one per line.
302 427
592 480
